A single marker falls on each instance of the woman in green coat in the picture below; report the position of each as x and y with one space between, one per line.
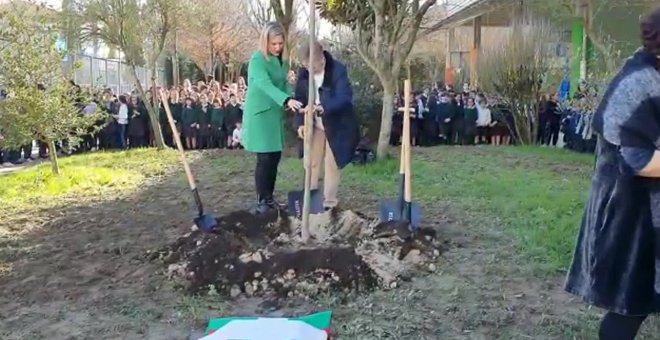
268 95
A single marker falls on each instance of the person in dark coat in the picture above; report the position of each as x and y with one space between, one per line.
445 113
189 124
203 122
456 124
430 120
137 123
470 117
617 257
336 128
219 132
553 122
175 109
397 122
233 115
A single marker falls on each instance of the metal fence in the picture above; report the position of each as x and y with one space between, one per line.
96 72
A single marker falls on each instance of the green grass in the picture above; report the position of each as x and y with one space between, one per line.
535 195
85 175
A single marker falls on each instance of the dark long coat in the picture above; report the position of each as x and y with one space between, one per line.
616 264
341 126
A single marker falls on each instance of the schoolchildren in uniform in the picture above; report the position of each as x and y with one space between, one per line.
470 117
219 130
203 122
189 124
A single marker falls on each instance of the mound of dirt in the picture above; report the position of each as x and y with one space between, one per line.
264 255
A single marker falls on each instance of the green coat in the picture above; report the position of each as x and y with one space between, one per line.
263 113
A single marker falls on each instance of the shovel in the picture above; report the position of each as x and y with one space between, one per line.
390 210
411 213
402 208
296 199
205 222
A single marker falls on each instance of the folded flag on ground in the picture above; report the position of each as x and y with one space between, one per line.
311 327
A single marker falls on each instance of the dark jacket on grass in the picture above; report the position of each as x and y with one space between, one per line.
339 120
617 258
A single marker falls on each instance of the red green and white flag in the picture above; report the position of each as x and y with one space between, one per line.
311 327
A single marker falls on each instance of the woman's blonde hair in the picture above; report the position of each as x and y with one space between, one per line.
270 30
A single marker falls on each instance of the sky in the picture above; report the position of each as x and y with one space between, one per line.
57 4
325 28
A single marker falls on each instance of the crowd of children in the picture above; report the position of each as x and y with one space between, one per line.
444 116
207 115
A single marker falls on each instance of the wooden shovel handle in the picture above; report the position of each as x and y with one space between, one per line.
407 190
402 160
177 139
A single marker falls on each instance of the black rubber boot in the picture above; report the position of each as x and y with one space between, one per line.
262 206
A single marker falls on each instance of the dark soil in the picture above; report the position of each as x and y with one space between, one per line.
259 256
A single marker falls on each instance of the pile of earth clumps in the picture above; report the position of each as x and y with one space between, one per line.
263 255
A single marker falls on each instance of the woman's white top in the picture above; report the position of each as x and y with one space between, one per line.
122 116
484 117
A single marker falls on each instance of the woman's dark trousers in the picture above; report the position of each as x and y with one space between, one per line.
265 174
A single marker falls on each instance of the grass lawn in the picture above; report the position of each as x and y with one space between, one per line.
510 215
92 175
535 194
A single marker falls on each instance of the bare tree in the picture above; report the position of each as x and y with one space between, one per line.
260 12
385 31
219 32
517 71
431 50
286 12
141 30
565 11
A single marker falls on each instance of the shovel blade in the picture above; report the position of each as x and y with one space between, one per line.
296 200
206 223
415 217
392 211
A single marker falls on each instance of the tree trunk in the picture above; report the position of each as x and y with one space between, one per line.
535 116
52 154
434 72
175 62
151 109
386 118
211 69
223 71
522 124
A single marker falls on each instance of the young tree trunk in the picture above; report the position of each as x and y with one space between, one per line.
436 71
151 109
535 117
52 154
175 62
386 118
522 124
